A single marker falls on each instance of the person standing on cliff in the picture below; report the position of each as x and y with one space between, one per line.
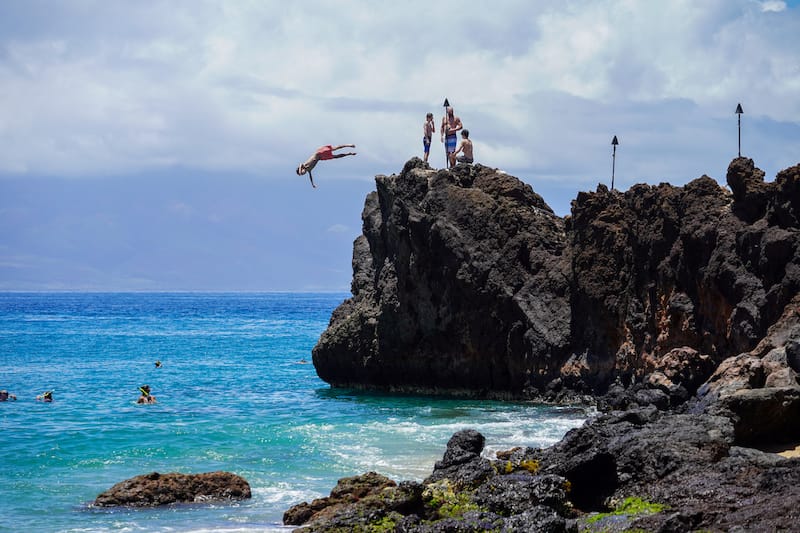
322 153
428 129
451 124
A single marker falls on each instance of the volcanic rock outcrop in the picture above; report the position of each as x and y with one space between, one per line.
459 284
464 280
677 308
163 489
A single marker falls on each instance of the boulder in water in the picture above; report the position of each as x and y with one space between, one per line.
163 489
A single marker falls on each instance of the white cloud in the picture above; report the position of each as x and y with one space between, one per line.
338 228
253 87
773 6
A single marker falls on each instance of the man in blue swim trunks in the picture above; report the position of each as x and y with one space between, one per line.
428 129
451 124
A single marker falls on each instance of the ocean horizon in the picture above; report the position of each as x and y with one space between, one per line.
235 391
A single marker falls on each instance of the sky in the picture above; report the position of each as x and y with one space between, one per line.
151 145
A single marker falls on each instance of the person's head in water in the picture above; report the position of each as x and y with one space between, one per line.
146 397
46 397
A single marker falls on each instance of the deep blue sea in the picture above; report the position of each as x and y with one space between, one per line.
234 393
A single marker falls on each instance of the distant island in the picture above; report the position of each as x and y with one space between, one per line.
674 309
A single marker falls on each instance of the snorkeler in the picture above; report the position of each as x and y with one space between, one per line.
146 397
46 397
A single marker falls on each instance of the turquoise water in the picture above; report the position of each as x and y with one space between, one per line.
233 394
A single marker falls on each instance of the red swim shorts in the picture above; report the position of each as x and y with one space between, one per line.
325 152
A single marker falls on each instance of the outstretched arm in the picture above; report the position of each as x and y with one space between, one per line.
311 179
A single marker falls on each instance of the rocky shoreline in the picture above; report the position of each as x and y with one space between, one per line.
675 308
685 468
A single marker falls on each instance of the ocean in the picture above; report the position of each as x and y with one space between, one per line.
235 391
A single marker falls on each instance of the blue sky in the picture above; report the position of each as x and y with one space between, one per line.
151 145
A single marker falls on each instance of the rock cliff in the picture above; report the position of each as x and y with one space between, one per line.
460 284
677 308
465 281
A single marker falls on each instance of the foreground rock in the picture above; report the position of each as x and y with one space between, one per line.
465 492
688 464
163 489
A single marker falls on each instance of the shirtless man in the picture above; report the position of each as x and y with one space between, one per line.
322 153
466 147
428 129
451 124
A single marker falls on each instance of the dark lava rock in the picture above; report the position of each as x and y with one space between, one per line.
356 501
687 463
516 493
464 493
760 389
462 463
163 489
459 285
464 281
538 519
677 279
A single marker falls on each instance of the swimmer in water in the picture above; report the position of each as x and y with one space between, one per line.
146 397
5 396
46 397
